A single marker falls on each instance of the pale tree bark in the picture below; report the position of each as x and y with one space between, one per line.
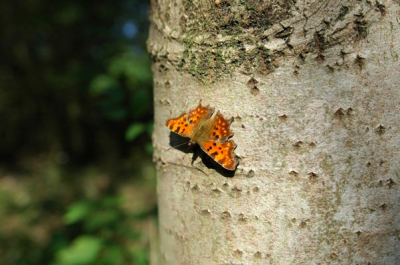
313 87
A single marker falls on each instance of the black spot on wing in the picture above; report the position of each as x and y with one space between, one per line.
214 154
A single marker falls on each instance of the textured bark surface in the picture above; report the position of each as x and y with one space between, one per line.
313 87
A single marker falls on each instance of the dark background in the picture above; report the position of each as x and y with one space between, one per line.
77 185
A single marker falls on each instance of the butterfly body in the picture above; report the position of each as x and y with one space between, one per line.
210 133
201 134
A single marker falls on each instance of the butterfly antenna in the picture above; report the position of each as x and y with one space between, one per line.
189 146
175 146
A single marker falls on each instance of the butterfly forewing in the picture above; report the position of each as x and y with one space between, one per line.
199 113
180 125
184 124
221 131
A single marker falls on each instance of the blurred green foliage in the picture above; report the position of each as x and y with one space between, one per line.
76 177
72 74
107 219
51 215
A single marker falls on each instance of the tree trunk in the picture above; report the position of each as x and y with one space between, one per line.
313 88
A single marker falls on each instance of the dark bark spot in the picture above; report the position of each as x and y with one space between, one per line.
380 130
255 90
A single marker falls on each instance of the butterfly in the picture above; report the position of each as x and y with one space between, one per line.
210 133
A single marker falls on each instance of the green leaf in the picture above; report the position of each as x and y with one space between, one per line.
77 211
135 69
113 255
102 219
134 131
139 255
111 202
83 250
101 84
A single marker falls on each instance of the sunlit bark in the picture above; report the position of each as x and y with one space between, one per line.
313 88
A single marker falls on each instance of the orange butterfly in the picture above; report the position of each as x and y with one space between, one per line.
210 133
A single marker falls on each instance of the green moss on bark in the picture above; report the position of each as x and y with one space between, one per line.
242 22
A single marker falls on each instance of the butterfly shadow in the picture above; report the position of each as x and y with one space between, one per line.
182 144
210 163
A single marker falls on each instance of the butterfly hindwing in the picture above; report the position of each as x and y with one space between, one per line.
222 153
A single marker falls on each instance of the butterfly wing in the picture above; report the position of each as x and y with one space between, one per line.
221 131
184 124
199 113
217 146
222 153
